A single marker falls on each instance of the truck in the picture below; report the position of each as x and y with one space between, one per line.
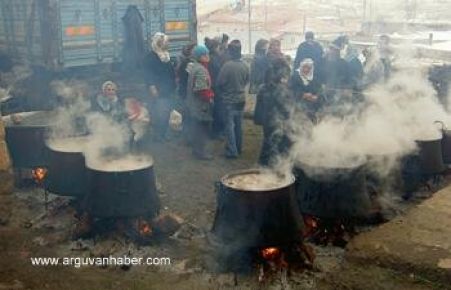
61 34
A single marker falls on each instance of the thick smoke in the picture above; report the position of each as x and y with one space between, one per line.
74 118
74 105
10 80
384 127
107 138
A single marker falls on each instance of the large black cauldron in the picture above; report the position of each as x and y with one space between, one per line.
332 192
256 218
430 156
122 192
25 135
446 146
446 142
67 174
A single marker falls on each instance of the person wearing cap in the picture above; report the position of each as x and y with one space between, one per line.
199 102
161 82
310 48
232 81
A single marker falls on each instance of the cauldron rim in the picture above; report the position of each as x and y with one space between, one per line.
291 181
48 141
430 140
360 163
9 123
149 164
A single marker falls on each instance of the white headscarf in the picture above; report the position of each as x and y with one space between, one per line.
157 46
306 78
108 83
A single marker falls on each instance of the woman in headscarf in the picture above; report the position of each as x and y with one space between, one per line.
259 66
161 82
107 102
199 102
307 89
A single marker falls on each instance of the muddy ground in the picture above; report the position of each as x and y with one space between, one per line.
187 190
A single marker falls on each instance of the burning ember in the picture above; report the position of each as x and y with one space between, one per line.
273 262
270 253
144 228
327 231
39 174
282 261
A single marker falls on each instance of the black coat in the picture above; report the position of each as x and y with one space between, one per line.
259 66
355 70
133 50
312 50
336 74
182 74
298 89
160 74
271 112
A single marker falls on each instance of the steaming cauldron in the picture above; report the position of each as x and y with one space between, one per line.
67 174
384 172
121 191
446 143
446 146
256 217
332 192
430 156
25 138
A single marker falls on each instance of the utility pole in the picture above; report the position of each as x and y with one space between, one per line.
249 25
266 15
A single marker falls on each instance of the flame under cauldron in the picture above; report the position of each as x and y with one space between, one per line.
256 227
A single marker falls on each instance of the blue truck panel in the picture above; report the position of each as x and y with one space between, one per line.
59 34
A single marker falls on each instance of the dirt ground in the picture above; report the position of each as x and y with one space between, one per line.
187 190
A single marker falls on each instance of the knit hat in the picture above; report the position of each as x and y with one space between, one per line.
200 50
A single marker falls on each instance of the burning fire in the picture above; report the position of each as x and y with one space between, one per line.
270 253
324 232
144 228
39 174
311 225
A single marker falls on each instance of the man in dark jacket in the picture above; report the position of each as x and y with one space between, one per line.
259 65
309 49
336 74
232 81
214 66
272 111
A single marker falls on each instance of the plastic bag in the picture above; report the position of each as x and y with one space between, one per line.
176 121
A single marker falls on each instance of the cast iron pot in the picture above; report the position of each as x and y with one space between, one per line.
446 142
446 146
384 172
430 156
332 193
262 218
67 173
122 194
26 140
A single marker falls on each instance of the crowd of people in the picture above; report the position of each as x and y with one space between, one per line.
211 80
